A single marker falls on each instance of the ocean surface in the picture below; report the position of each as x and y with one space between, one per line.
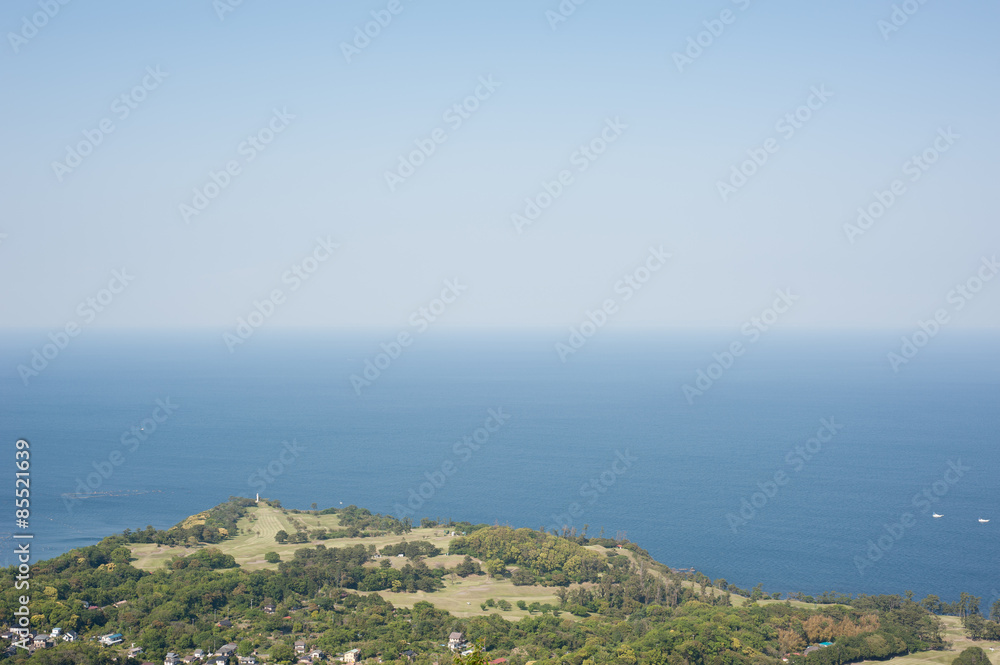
726 481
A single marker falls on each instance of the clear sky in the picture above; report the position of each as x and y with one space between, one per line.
678 129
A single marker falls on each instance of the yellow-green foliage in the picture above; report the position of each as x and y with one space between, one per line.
542 553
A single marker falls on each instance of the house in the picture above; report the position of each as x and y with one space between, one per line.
300 646
199 653
42 641
112 639
225 623
248 660
352 656
316 654
218 660
56 631
410 654
227 650
269 608
69 636
455 641
171 658
134 651
188 660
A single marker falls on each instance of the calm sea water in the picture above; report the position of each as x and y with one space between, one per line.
609 431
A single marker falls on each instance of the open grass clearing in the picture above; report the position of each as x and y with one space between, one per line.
256 537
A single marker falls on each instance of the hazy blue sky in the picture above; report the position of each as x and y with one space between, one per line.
655 185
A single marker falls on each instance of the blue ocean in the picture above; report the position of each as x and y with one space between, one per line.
805 464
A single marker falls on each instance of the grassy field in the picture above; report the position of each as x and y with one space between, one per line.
954 634
461 597
256 537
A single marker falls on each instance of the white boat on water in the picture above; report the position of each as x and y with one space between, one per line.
936 515
982 521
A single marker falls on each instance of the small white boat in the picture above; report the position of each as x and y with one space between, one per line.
936 515
982 521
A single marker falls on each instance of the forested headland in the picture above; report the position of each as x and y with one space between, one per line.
264 578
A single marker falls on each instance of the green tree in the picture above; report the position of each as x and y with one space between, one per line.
272 557
975 625
495 568
972 656
244 648
932 604
282 653
281 536
121 555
